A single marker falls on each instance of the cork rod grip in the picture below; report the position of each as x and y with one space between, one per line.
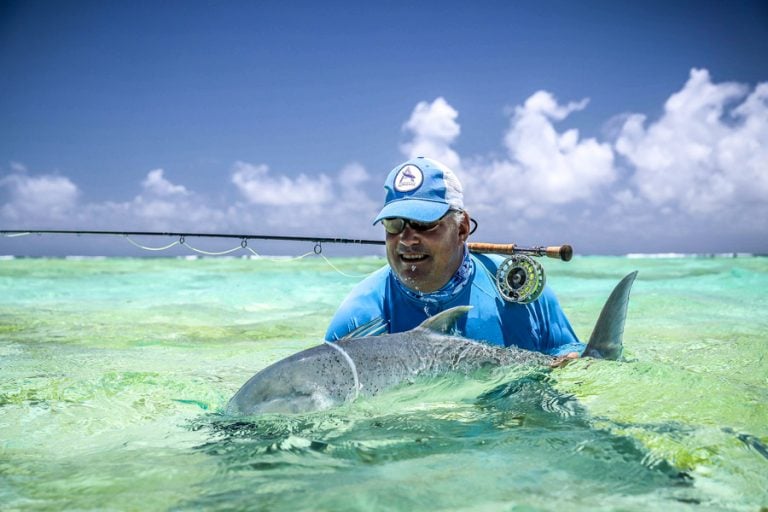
562 252
506 249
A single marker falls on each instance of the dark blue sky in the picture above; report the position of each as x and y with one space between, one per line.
96 95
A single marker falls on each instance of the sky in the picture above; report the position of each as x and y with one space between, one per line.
617 127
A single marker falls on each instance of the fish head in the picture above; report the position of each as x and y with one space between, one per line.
294 385
263 395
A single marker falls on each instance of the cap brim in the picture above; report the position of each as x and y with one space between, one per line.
415 209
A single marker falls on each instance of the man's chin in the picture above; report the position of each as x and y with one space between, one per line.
414 279
414 269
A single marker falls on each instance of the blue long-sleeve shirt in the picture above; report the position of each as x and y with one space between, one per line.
381 301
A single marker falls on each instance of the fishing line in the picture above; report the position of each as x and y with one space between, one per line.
282 258
209 253
339 271
146 248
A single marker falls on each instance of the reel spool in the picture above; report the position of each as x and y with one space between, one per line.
520 279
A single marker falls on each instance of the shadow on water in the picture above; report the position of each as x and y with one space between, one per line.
517 444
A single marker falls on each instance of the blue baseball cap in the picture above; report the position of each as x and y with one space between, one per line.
421 189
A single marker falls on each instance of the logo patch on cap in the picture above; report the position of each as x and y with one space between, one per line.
408 178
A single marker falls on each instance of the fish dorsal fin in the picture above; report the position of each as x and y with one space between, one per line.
606 341
444 322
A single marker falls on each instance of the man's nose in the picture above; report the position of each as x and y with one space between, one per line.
409 236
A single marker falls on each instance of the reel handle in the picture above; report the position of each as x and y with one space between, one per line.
560 252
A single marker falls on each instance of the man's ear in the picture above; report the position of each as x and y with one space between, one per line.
464 227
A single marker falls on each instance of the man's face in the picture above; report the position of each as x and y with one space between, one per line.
425 260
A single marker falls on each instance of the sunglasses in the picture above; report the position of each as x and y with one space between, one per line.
396 225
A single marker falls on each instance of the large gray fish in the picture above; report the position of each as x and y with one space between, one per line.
332 373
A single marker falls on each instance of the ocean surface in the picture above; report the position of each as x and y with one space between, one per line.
114 374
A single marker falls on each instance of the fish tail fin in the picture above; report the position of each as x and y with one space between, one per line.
606 341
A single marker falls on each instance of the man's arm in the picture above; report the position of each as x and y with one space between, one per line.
558 337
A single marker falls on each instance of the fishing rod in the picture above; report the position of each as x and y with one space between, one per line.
519 278
561 252
184 235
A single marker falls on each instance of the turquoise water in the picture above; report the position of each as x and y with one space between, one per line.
113 374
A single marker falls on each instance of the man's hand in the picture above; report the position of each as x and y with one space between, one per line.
561 361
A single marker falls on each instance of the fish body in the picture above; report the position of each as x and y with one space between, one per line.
330 374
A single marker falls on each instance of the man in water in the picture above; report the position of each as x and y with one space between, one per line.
431 270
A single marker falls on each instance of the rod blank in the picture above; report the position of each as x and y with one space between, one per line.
188 235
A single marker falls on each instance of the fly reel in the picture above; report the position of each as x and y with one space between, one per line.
520 279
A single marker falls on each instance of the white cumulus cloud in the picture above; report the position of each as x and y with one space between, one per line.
157 185
36 199
305 204
542 167
259 186
554 167
707 152
433 128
